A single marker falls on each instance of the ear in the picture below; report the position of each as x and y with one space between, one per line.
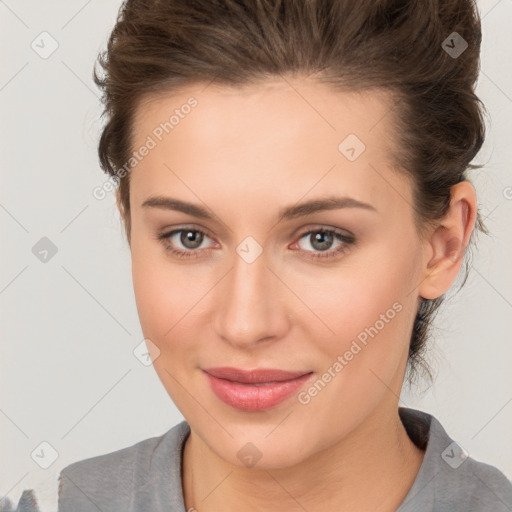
444 250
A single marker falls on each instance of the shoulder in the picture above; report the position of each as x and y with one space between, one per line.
449 478
117 480
477 486
87 482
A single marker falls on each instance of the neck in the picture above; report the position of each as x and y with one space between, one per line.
372 468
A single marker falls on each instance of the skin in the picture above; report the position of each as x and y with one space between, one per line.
244 154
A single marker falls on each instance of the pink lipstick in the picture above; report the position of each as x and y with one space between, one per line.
254 390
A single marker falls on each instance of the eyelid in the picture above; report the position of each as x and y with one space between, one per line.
168 231
323 227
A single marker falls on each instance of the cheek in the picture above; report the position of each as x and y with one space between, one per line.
371 315
169 296
165 298
367 308
159 289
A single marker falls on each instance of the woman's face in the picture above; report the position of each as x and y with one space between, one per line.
329 294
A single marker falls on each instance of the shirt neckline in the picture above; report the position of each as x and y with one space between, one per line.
422 428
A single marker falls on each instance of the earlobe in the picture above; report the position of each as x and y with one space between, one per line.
448 242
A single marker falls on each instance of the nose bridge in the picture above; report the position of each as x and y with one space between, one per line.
249 308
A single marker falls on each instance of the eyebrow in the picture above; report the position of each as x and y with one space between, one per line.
287 213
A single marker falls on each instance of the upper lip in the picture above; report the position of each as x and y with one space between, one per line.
253 376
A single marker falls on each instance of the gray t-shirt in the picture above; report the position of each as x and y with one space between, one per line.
146 477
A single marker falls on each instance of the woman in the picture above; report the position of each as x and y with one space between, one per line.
292 181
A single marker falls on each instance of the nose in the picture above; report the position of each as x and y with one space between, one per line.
250 304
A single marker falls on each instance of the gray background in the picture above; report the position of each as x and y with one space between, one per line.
68 376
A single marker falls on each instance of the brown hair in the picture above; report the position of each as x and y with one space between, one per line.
402 47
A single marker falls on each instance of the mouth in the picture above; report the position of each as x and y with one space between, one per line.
254 390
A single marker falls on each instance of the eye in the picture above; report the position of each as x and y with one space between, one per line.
189 238
322 239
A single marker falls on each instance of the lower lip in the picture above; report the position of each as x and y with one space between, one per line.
255 397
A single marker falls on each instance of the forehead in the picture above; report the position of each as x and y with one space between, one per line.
278 139
220 113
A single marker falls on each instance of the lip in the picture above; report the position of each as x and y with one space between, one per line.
254 390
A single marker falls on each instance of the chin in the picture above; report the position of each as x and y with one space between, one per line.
252 447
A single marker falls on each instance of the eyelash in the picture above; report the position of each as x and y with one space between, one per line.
346 239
